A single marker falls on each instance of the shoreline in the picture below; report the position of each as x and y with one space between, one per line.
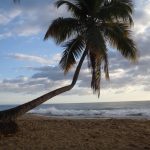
89 118
38 132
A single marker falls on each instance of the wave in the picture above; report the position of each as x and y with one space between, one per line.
53 111
65 112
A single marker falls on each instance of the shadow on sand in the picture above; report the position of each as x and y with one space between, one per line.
10 127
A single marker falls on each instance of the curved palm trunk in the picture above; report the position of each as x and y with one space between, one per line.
12 114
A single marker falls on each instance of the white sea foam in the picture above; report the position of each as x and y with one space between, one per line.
53 111
65 112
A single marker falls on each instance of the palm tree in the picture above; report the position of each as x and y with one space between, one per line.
93 25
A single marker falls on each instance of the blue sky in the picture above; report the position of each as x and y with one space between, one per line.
29 65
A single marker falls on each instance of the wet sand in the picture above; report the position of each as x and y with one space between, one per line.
41 133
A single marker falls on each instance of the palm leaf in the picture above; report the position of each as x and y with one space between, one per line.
117 9
73 50
119 37
97 54
62 29
72 7
95 41
106 64
95 66
89 7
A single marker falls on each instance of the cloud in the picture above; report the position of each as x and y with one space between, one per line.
5 35
31 86
24 57
124 75
24 85
141 16
8 16
29 21
36 59
28 30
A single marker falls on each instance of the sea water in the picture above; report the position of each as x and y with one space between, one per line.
93 110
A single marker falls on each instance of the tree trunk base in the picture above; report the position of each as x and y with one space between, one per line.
9 127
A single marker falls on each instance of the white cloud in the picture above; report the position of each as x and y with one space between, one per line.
5 35
31 85
141 17
32 20
25 85
8 16
24 57
37 59
28 30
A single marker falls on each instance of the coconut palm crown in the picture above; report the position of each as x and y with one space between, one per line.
92 26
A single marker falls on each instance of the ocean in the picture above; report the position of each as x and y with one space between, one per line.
93 110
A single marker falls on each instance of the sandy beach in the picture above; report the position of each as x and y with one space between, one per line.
41 133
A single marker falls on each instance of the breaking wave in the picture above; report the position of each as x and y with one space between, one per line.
53 111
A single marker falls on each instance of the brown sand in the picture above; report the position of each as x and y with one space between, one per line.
41 133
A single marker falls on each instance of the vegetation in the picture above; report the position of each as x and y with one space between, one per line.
93 24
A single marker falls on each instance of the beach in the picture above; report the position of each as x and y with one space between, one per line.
44 133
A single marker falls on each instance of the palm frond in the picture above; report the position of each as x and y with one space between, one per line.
106 68
89 7
95 41
120 10
62 28
119 37
73 49
95 66
71 6
97 55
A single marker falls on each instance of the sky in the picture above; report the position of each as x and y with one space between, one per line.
29 65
